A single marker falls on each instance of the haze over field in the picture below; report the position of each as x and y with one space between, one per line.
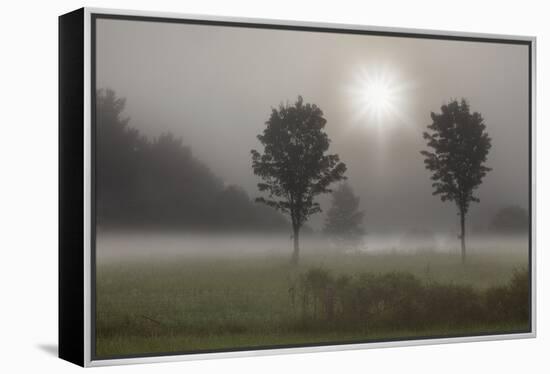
147 246
215 87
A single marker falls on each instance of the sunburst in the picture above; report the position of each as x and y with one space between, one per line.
378 95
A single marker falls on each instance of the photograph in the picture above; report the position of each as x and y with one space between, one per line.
260 186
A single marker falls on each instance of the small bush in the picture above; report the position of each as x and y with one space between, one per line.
510 302
318 290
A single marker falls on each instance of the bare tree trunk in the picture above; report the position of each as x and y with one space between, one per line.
296 252
463 237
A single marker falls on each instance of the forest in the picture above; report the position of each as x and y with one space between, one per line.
152 183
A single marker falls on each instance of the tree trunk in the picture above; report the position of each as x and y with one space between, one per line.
463 237
296 252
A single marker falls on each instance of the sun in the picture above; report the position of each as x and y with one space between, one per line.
378 95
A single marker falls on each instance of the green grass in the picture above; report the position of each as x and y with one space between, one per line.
192 304
131 345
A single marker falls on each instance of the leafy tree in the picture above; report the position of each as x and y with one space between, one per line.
511 219
294 166
459 147
344 219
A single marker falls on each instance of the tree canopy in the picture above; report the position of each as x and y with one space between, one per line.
294 166
344 221
459 145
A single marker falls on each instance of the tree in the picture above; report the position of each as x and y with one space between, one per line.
294 166
459 146
118 147
344 219
511 219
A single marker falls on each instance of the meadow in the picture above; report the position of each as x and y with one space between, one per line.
191 303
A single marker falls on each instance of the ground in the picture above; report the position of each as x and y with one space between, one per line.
193 303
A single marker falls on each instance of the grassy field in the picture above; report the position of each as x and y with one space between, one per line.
184 304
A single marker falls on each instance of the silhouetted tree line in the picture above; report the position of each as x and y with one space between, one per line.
510 220
158 183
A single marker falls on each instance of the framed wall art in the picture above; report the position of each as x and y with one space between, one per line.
237 186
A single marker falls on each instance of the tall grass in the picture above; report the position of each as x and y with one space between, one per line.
192 304
399 300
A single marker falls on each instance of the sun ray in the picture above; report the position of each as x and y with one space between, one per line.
378 96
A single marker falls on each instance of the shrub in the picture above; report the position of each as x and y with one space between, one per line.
399 300
510 303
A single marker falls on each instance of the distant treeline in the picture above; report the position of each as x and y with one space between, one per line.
158 183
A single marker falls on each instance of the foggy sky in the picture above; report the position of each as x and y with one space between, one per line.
215 87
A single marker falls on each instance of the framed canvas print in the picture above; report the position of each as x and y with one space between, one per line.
238 186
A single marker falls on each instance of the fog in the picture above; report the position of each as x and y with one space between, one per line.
145 246
215 87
